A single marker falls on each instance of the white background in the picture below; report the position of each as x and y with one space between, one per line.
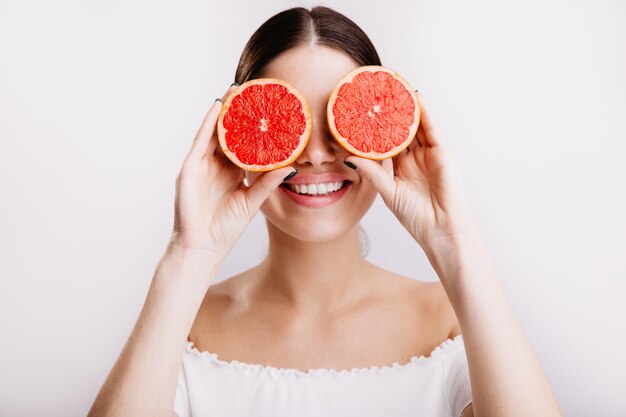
99 102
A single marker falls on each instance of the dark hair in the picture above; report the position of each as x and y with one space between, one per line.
299 26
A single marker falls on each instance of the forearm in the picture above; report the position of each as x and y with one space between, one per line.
143 379
506 377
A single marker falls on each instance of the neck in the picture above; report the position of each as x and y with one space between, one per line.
313 277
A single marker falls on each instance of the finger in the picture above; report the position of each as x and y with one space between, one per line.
426 131
264 185
204 141
406 153
201 141
214 146
415 143
376 174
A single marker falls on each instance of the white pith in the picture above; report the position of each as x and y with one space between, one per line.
321 188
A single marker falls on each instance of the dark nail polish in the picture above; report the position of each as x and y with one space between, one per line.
218 99
349 164
291 175
234 85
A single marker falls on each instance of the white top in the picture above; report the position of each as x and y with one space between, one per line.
434 386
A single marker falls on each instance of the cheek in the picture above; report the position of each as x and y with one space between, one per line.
365 197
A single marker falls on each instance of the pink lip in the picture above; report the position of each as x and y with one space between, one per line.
316 201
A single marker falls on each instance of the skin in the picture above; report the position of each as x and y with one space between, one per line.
298 310
304 307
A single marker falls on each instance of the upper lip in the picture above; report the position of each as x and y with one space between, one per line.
315 179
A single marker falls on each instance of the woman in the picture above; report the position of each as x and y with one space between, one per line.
315 329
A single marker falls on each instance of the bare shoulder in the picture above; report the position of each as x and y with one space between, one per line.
403 305
431 301
221 302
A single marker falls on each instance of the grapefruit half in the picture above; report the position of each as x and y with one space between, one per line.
373 112
264 124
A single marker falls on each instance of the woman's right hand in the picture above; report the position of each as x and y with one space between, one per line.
213 207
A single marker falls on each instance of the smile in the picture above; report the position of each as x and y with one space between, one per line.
322 188
316 195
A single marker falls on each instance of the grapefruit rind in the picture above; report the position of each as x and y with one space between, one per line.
304 138
344 142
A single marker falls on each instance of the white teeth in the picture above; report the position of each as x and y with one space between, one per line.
316 189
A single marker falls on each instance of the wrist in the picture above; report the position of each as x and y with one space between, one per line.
193 247
449 250
189 264
456 233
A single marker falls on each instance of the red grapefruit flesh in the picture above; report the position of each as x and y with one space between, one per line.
264 124
373 112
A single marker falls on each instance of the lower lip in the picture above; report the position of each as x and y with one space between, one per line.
316 201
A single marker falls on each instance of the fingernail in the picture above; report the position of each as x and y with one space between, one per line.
218 99
349 164
291 175
234 85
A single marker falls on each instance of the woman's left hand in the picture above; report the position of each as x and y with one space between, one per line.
426 192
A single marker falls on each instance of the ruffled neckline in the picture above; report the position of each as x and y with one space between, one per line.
235 364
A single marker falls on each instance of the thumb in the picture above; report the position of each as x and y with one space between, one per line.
265 184
376 174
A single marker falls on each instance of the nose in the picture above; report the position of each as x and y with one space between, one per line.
320 150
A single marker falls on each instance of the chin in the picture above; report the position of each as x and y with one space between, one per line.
320 231
317 225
